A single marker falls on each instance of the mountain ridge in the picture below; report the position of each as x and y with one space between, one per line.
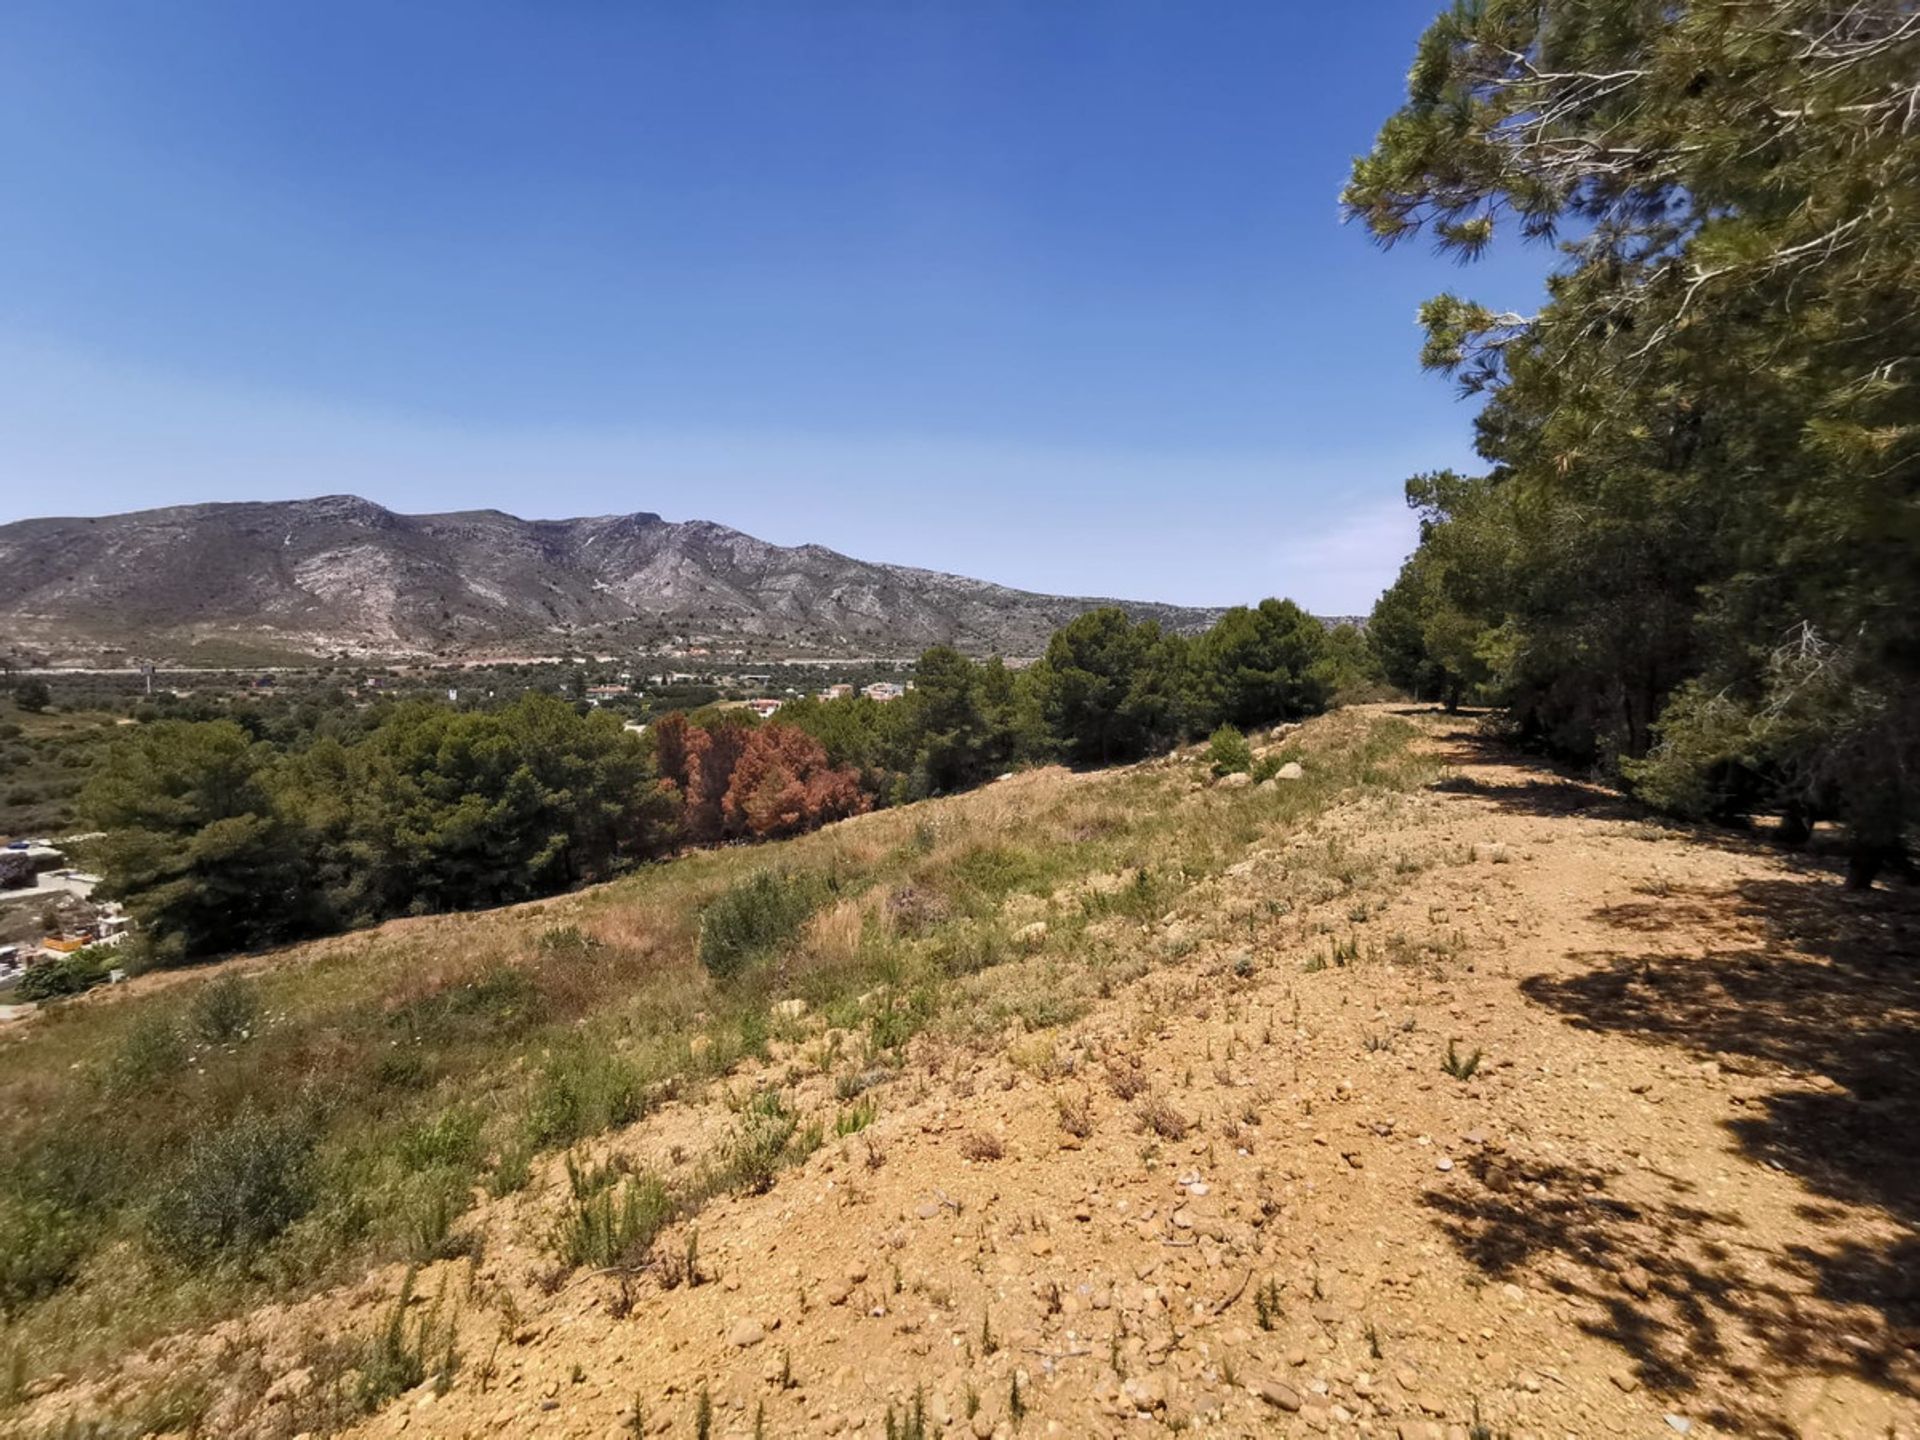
339 575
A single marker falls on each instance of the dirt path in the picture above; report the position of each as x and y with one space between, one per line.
1678 1194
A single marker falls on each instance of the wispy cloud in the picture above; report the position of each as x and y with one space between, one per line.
1340 566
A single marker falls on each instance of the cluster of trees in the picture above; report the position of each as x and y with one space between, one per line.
732 779
1695 556
1107 690
238 832
218 839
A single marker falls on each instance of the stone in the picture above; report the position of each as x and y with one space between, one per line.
1031 935
699 1048
982 1426
790 1009
1238 780
1283 1397
1290 771
1146 1392
1636 1282
1443 1164
1624 1380
747 1333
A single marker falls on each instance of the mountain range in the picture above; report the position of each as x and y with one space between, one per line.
339 576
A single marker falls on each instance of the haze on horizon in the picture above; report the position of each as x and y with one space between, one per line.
1052 296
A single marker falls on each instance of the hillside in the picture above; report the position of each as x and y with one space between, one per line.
1429 1091
343 575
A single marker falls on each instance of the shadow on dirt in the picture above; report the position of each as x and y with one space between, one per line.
1676 1287
1807 999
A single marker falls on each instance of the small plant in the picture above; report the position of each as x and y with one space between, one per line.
1157 1116
1126 1076
1228 752
912 1423
988 1343
753 917
1016 1400
1075 1115
511 1171
40 1248
398 1360
1373 1341
854 1119
567 940
225 1009
152 1050
980 1145
1266 1304
1460 1067
703 1414
605 1227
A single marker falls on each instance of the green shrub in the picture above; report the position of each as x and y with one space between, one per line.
753 917
40 1248
1228 752
151 1050
240 1187
449 1139
225 1009
73 975
603 1226
583 1090
397 1361
769 1137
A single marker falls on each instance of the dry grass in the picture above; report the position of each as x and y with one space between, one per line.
563 1017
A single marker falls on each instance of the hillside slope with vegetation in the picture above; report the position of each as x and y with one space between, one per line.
1052 1102
231 833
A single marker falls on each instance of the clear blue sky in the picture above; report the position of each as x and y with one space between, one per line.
1052 293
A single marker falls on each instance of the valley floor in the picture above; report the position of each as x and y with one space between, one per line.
1678 1193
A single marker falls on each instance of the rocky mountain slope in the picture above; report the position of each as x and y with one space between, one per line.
343 575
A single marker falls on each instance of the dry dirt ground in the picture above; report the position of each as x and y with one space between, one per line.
1678 1194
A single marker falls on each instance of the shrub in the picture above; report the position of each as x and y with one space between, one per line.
74 975
1228 752
396 1361
753 917
151 1050
240 1187
582 1091
448 1139
602 1228
225 1009
40 1247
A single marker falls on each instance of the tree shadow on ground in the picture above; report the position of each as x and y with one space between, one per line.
1700 1311
1808 999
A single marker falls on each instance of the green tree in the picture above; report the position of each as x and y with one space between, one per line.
196 844
32 694
1704 494
1110 689
1259 665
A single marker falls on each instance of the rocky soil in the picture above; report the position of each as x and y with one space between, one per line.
1547 1121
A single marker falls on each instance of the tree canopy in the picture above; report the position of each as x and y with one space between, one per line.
1695 556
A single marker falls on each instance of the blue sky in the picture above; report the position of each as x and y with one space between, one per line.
1053 293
